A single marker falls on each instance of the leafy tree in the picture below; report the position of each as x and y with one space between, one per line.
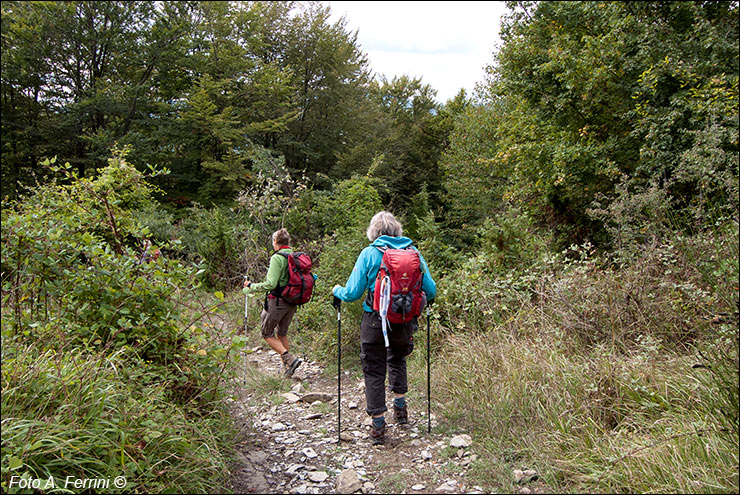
407 152
193 86
89 69
475 170
330 76
592 101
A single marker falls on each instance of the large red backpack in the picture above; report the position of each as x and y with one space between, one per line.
401 269
300 279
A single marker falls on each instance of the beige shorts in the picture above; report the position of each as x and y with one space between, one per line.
276 317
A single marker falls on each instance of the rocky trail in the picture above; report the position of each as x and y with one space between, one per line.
288 441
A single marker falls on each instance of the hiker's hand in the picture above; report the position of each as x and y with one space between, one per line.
334 289
337 303
247 283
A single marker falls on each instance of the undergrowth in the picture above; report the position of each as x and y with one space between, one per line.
604 375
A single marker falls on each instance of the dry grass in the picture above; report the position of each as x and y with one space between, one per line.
592 379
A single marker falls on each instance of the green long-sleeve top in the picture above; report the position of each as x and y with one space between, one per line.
277 274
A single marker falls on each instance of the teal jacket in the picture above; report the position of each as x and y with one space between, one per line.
366 269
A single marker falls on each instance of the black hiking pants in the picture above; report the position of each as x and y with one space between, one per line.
376 358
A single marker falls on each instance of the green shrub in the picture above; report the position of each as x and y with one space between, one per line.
351 204
67 258
226 243
109 366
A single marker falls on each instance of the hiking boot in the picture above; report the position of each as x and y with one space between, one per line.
287 358
401 414
289 370
377 435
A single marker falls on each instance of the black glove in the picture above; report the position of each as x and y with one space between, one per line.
336 302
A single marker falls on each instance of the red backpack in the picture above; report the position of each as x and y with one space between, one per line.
401 269
300 280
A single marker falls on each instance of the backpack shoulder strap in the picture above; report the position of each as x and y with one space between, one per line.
278 289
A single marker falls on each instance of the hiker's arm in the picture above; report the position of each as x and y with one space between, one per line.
357 282
271 279
427 283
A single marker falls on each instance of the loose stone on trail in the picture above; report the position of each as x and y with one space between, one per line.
293 468
318 476
309 452
348 481
445 488
291 397
461 441
315 396
301 489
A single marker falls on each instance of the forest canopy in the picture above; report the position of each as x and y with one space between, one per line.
595 117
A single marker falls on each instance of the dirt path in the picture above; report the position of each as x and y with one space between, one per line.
288 441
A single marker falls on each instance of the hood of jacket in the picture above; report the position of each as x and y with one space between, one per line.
392 242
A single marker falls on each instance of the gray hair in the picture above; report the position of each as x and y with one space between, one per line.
384 223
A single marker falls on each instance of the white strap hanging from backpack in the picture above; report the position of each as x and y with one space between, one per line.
385 301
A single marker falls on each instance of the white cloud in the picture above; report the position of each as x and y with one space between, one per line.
447 44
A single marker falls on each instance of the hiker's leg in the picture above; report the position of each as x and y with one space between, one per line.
286 312
276 345
397 378
400 346
373 357
284 315
373 367
269 321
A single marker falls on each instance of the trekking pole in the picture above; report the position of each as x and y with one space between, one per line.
429 381
299 336
338 304
244 351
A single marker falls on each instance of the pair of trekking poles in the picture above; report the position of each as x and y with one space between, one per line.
338 304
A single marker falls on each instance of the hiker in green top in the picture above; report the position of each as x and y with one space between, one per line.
277 313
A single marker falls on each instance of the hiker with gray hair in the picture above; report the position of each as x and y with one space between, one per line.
277 313
384 345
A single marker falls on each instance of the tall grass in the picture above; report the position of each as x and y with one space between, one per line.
618 377
94 416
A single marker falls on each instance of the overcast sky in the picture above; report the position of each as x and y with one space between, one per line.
447 44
